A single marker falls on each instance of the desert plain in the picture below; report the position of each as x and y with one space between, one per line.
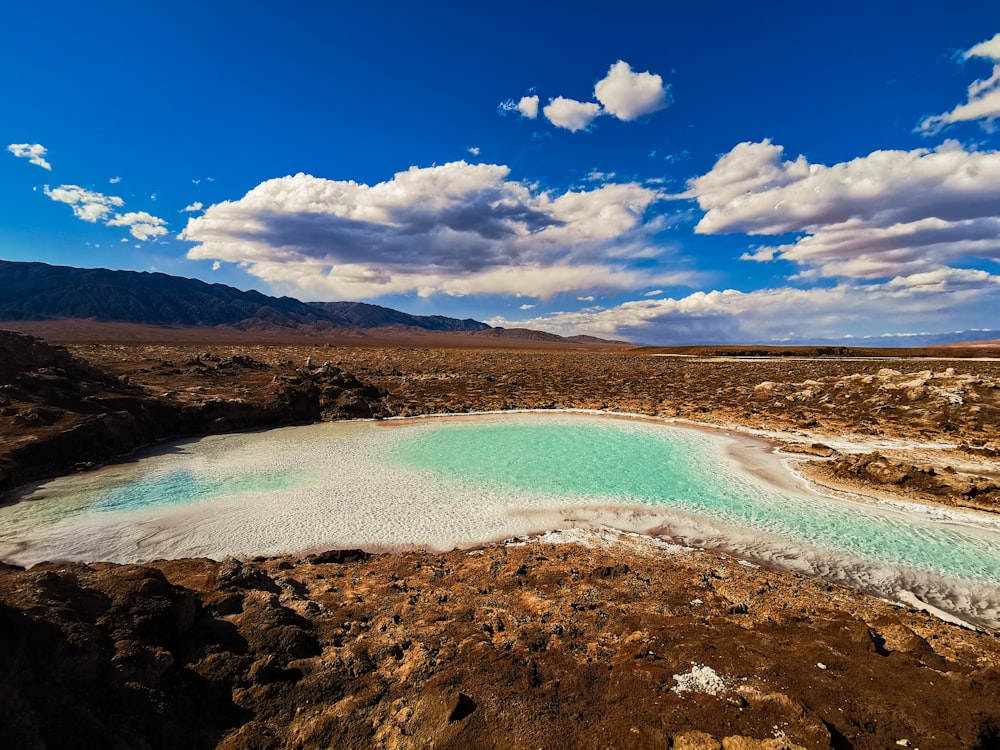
599 638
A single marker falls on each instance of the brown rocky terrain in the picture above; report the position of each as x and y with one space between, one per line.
623 643
613 641
937 413
58 412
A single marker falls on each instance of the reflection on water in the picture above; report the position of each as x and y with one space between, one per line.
462 482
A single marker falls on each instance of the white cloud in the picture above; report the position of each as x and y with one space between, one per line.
88 205
982 99
586 298
142 225
528 106
456 229
474 150
628 95
216 266
194 207
33 152
877 216
947 299
653 293
528 307
625 94
92 206
571 114
115 180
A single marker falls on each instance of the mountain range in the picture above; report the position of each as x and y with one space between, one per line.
38 291
32 292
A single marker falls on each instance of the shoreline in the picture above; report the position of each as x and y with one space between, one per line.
773 466
757 459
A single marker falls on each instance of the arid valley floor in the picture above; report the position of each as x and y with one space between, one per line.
571 640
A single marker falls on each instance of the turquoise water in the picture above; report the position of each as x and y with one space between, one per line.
446 484
684 471
184 486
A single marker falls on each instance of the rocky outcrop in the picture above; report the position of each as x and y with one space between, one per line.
944 485
58 412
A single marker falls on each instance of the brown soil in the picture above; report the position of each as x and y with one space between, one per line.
823 406
525 646
540 645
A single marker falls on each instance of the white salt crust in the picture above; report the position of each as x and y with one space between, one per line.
351 498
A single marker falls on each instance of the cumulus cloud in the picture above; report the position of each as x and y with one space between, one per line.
982 99
528 307
528 106
88 205
570 114
194 207
946 299
141 225
628 95
115 180
33 152
92 206
474 150
624 94
874 217
457 229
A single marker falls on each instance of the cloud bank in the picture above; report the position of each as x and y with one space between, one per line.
909 238
456 229
945 300
33 152
874 217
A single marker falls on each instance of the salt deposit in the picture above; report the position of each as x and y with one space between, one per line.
462 483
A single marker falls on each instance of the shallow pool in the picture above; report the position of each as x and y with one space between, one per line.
452 482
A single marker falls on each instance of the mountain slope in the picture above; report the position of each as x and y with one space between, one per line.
38 291
364 315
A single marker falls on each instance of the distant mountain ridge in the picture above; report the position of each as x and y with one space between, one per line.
39 291
365 315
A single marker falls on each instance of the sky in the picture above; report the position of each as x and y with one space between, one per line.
663 173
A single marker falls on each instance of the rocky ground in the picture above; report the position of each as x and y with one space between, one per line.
58 412
621 642
608 640
925 428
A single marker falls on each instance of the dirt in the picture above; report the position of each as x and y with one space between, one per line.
535 644
937 413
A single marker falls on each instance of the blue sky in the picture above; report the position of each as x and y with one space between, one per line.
705 172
